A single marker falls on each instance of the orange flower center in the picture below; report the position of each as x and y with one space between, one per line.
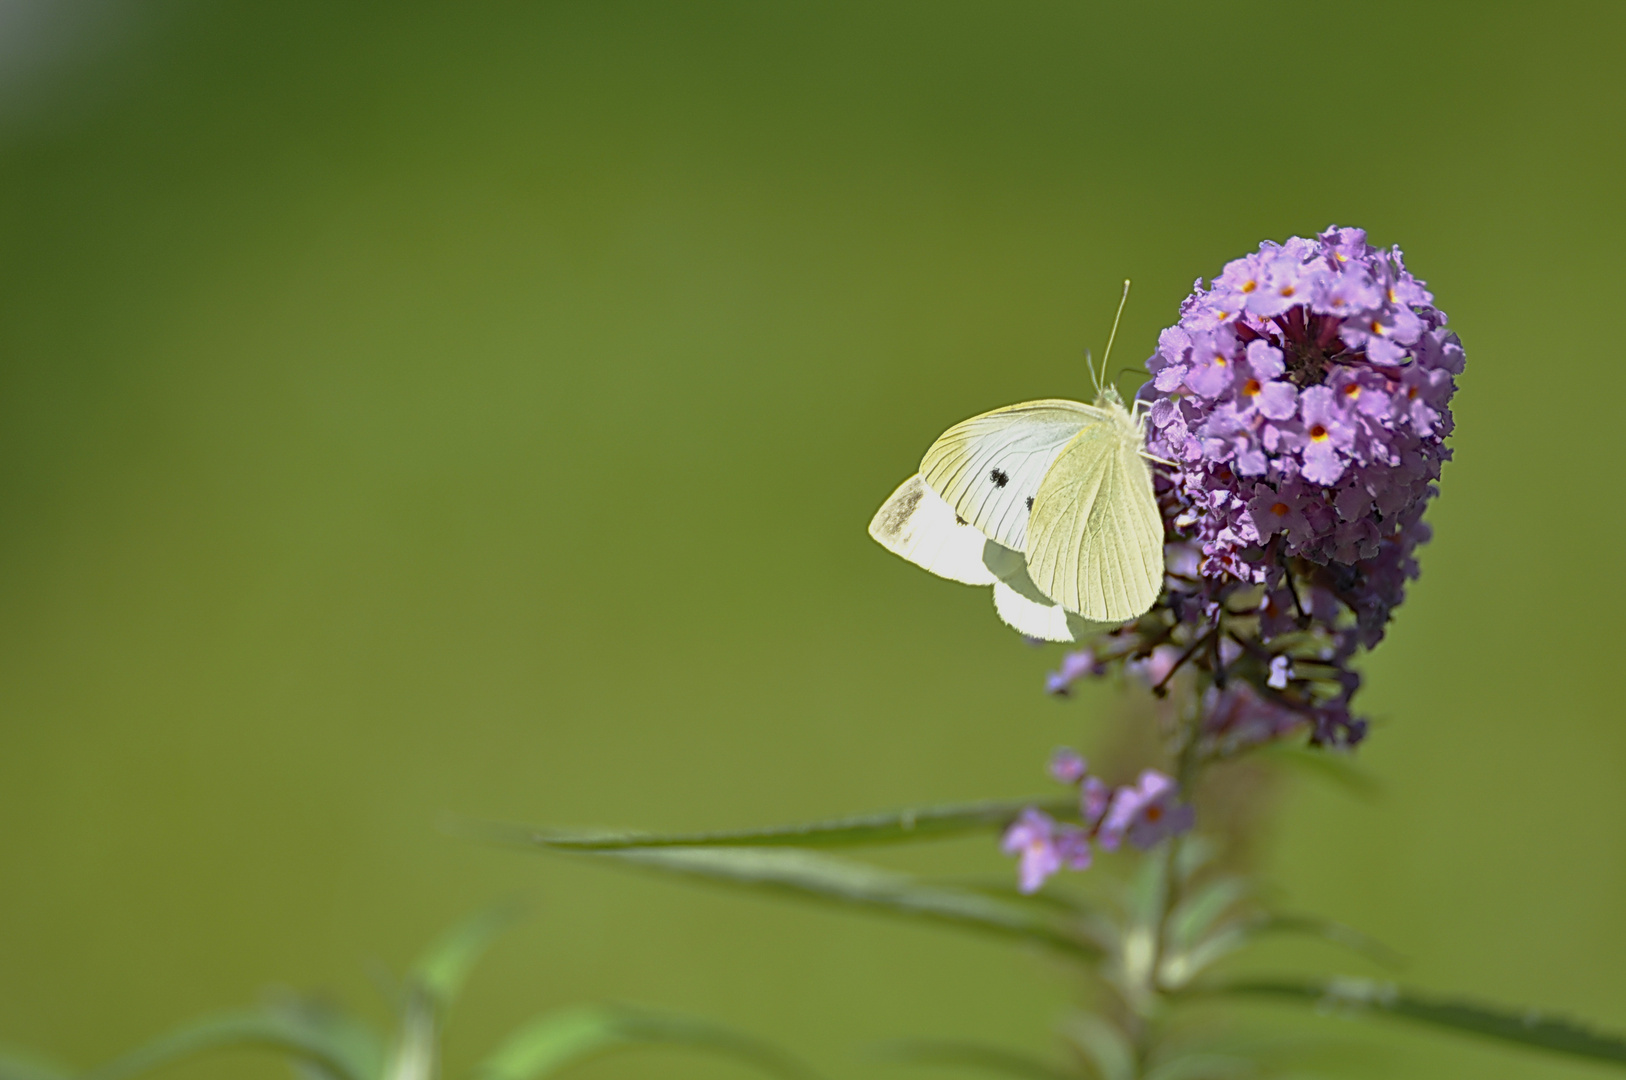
1352 391
1279 509
1251 387
1288 290
1249 286
1318 433
1153 813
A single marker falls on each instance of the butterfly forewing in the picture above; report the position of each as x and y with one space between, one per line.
1095 539
989 468
921 527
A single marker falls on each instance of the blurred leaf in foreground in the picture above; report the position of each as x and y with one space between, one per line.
17 1065
845 881
1365 996
973 1057
337 1045
441 969
561 1039
886 827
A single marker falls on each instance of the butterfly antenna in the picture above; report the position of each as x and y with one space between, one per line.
1114 335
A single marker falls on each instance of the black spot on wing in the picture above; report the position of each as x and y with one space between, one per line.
1000 477
958 520
1030 502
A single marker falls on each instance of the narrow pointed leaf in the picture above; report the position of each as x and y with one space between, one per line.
347 1038
559 1040
1365 996
443 968
1183 965
888 827
1327 930
972 1056
416 1052
1197 912
1103 1045
1203 1067
845 881
348 1052
552 1042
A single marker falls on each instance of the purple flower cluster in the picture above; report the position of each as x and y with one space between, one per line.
1299 409
1303 398
1144 813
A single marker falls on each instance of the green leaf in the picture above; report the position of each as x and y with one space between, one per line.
1147 889
1368 997
415 1054
339 1046
1195 915
972 1056
890 827
22 1065
1203 1067
349 1038
1103 1045
441 969
1185 963
561 1039
1334 932
845 881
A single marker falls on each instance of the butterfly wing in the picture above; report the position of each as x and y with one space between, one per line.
988 467
1095 538
918 525
1022 607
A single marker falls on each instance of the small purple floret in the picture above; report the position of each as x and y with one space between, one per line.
1044 847
1145 812
1093 798
1074 666
1066 766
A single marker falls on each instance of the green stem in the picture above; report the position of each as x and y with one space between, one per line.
1187 767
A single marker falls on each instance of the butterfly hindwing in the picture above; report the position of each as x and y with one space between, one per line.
989 468
1095 539
1022 607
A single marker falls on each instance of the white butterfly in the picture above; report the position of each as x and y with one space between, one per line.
1050 502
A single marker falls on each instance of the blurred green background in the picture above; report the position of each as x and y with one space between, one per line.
414 409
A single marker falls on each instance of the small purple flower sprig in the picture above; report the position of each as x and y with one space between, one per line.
1299 408
1144 813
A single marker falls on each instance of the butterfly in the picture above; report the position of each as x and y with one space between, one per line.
1050 502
